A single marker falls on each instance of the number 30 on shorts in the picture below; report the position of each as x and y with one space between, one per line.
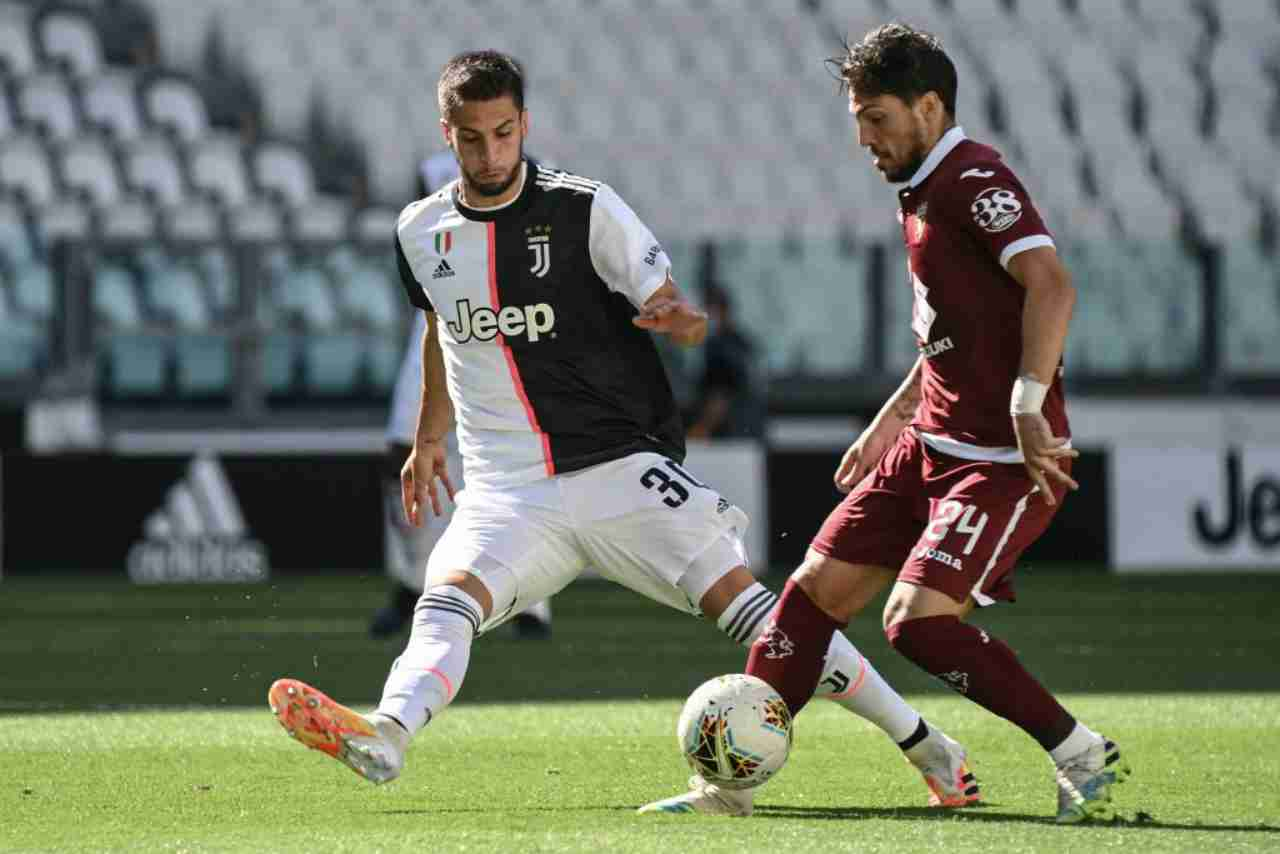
657 479
948 512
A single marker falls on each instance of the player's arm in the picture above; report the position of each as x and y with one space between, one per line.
668 311
898 411
435 416
1046 315
427 460
630 261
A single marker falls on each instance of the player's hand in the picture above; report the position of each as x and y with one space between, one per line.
426 462
1041 451
683 321
862 456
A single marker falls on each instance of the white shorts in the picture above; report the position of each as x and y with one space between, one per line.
641 521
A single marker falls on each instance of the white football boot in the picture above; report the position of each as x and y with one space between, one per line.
1084 783
372 746
941 761
706 798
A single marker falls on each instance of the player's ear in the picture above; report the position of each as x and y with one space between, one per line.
928 110
524 123
444 131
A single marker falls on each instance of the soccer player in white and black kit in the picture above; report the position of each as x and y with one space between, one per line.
408 546
541 289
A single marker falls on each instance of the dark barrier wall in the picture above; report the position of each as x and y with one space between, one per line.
323 513
85 512
801 494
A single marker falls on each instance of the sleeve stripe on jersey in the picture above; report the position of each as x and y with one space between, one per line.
563 180
567 176
567 185
1022 244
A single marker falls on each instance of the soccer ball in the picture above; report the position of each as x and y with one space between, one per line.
735 731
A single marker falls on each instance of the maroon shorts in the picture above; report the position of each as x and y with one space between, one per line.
952 525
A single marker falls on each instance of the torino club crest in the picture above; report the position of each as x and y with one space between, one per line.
539 239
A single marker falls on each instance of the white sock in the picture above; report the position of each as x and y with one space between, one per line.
429 673
847 677
863 691
1080 740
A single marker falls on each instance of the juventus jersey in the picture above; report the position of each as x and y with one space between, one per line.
534 302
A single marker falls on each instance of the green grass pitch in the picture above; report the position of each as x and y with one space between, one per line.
134 719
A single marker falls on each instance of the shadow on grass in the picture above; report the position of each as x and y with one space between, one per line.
979 812
489 810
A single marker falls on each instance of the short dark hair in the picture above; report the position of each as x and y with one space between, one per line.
897 59
479 75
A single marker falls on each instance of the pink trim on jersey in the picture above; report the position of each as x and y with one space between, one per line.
511 360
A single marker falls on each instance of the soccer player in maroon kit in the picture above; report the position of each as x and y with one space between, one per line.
966 464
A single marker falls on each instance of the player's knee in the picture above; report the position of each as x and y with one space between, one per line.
808 576
713 601
464 581
446 613
910 637
840 589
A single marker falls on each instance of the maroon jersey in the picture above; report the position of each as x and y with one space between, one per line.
964 215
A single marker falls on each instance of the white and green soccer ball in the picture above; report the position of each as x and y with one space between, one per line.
735 731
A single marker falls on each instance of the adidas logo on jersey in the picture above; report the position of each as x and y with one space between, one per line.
443 270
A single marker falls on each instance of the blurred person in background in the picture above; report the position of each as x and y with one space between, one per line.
407 547
730 403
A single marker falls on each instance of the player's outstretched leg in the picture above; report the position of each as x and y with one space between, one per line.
424 679
372 746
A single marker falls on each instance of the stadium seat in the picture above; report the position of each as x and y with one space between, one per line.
17 53
1181 23
25 168
371 298
136 358
1112 24
217 266
23 343
110 102
202 352
218 168
88 166
69 39
286 171
1251 311
172 102
1256 22
33 294
46 102
16 244
151 165
9 121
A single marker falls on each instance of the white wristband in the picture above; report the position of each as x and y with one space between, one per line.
1028 396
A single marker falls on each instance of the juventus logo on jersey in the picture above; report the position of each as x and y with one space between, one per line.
539 237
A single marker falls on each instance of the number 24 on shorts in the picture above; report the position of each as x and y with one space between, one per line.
947 513
656 479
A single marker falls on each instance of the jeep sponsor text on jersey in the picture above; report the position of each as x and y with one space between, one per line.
511 321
